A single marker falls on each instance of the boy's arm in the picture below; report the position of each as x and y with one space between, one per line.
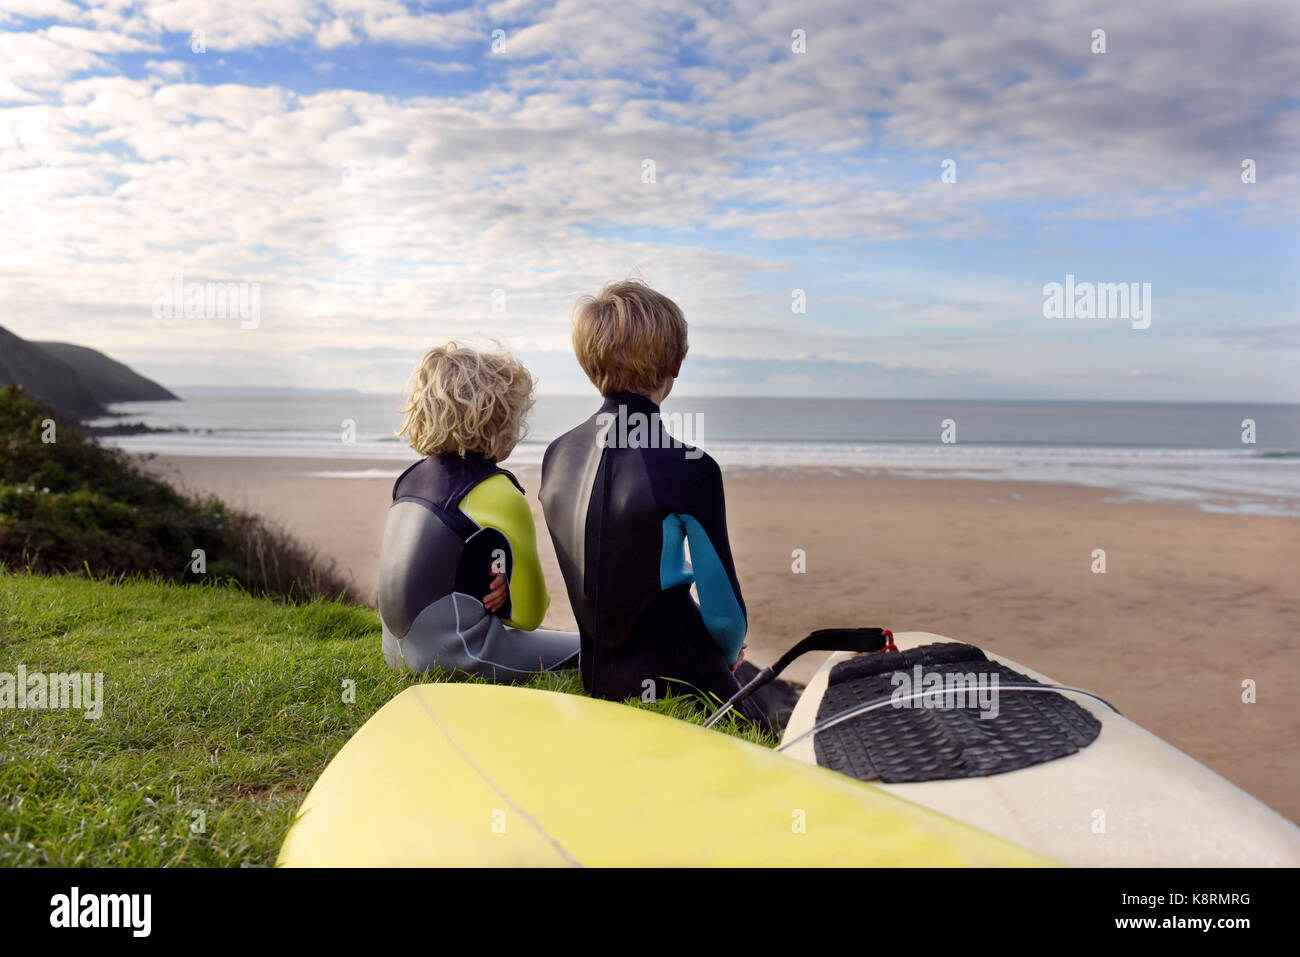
496 502
721 604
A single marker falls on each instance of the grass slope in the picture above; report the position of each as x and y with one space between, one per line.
74 506
215 702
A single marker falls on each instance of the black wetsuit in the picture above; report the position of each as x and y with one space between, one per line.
452 517
621 496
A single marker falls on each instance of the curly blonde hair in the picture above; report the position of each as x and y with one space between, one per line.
628 337
464 400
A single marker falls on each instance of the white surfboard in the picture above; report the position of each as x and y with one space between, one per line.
1128 799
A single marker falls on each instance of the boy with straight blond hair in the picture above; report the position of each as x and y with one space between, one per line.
623 497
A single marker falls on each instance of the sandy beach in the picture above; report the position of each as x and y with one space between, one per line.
1191 604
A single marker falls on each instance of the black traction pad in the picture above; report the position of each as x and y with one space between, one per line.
928 743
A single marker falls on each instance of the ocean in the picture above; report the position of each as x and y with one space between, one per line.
1191 452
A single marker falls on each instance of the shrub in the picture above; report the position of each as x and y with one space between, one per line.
73 506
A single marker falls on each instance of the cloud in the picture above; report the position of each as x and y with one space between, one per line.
336 33
376 219
34 63
1278 335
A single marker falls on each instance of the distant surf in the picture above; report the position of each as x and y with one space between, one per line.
1184 452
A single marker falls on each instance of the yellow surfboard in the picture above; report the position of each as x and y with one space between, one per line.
465 775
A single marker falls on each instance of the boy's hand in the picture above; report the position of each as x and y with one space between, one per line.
497 596
740 658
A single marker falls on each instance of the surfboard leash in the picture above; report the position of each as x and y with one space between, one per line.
857 640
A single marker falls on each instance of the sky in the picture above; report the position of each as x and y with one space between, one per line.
388 176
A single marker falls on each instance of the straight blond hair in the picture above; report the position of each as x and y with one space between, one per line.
628 338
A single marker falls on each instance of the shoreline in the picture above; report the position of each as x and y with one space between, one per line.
369 467
1191 604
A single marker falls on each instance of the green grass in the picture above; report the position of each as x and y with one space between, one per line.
216 701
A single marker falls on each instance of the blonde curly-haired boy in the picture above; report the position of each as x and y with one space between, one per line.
460 582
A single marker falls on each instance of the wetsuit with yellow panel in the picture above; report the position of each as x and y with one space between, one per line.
455 522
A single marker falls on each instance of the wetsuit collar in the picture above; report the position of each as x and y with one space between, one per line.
443 478
475 467
634 401
470 459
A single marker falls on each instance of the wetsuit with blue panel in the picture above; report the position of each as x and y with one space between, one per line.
622 499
